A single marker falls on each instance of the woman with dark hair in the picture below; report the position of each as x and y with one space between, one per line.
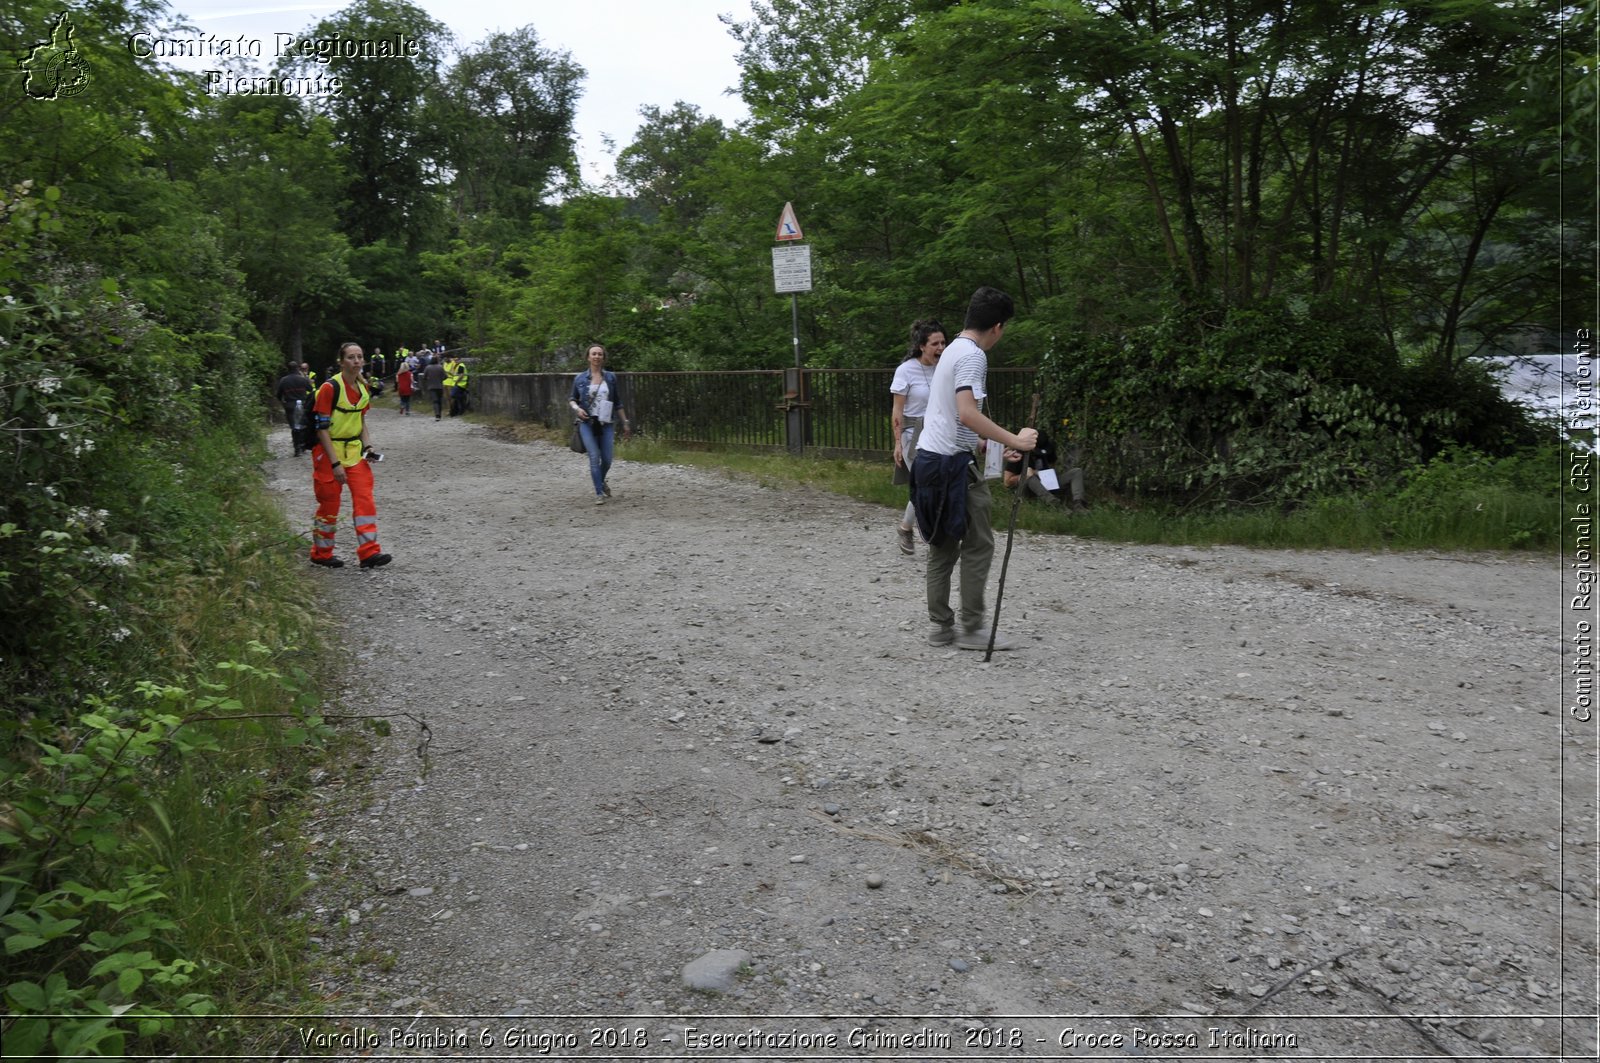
910 390
598 404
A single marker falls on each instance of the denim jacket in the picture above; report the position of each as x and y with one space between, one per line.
580 389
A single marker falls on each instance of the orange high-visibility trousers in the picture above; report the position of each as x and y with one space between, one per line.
363 510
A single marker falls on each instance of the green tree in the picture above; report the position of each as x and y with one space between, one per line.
274 181
659 168
505 111
381 118
565 281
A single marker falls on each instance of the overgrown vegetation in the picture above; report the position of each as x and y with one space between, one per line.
1461 500
156 729
1267 406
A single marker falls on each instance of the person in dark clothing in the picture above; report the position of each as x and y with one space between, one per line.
433 384
294 391
1068 483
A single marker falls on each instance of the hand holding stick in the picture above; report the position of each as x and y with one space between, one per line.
1011 529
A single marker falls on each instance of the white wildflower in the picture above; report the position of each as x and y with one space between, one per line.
120 634
47 385
120 560
51 419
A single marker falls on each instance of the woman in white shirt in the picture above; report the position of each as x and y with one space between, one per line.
598 405
910 390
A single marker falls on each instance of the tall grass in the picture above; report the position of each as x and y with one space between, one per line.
228 825
1460 501
241 623
149 832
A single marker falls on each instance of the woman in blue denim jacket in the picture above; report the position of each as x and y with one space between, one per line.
597 403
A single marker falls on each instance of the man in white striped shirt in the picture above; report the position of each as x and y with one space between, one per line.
950 494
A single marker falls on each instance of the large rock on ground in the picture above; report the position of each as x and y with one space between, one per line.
714 971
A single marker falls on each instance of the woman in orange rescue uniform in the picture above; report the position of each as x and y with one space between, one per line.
341 412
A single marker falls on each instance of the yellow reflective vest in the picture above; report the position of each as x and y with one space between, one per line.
344 426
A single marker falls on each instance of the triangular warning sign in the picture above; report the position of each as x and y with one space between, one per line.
789 225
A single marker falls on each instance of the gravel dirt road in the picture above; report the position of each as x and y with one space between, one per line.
694 785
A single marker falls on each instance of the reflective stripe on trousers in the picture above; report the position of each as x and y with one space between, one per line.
363 508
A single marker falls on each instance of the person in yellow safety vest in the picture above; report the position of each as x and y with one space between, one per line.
450 385
341 457
458 397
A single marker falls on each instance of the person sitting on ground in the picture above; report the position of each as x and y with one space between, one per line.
1044 458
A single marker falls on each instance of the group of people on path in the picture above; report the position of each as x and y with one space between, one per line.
940 431
343 454
442 375
941 436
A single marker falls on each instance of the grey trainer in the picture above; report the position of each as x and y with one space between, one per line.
941 635
978 639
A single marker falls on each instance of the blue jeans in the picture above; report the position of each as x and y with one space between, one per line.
598 440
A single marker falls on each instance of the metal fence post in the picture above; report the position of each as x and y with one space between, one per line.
794 425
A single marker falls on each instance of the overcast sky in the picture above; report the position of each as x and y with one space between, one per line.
635 52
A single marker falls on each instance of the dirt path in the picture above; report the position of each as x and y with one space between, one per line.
1221 801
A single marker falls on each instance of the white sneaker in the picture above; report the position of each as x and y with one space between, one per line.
599 500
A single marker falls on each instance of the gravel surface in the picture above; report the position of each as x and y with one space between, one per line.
693 784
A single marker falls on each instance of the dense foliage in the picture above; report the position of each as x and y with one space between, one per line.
1265 405
130 411
127 537
1394 168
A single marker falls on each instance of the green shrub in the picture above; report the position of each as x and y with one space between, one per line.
94 946
1263 406
150 715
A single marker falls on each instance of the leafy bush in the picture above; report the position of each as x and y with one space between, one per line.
1256 406
129 531
92 942
1471 498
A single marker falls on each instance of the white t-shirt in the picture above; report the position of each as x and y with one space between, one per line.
601 397
912 379
963 366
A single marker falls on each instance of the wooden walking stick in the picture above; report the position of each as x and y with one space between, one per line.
1011 529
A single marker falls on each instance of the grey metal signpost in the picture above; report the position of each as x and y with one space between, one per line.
791 272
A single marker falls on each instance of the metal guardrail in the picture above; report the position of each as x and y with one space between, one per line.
842 413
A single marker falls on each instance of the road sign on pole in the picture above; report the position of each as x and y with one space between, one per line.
788 225
791 272
791 268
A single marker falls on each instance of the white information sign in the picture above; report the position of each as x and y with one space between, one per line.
791 268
